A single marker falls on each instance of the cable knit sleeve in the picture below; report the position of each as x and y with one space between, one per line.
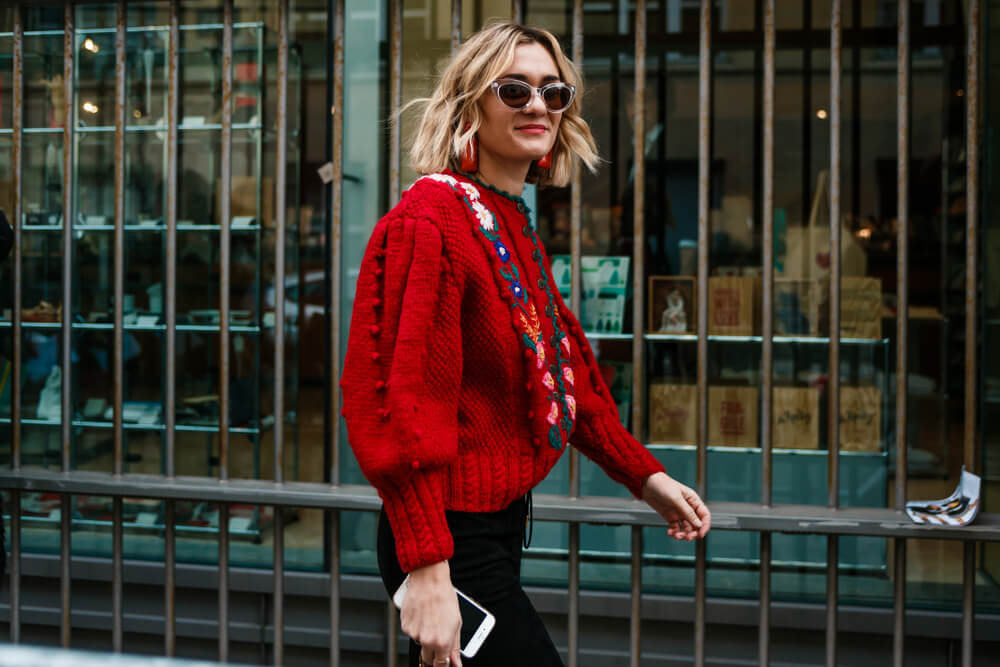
401 381
599 432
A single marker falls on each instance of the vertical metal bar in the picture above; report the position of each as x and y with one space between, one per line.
767 342
281 159
902 246
971 232
704 157
169 579
456 25
336 237
15 566
64 569
899 601
69 61
968 598
17 157
639 224
336 244
173 90
576 230
573 620
635 622
118 381
225 235
971 310
69 67
117 615
170 381
223 582
225 281
767 215
279 329
335 589
279 586
764 631
517 11
832 591
833 469
576 298
391 635
395 94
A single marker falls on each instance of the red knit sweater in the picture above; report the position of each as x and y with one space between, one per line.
465 373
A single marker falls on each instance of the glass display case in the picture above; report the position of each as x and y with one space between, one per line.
92 218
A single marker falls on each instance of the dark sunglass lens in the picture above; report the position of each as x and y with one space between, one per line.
514 95
557 97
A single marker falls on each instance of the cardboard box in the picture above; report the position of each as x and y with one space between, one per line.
673 413
860 308
860 419
672 304
732 416
795 422
733 305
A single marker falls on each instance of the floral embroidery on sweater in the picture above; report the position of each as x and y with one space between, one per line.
527 322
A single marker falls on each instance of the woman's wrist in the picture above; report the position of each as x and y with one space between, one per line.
434 573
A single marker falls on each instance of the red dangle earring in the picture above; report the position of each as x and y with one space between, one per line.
546 162
470 156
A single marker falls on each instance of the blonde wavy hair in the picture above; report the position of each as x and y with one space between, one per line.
482 59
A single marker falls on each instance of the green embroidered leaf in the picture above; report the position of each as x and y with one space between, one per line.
555 438
529 342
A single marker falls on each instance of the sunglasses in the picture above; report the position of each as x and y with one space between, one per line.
517 95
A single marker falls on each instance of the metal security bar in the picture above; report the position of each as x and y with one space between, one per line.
763 518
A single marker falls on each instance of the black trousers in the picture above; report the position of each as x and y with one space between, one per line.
486 567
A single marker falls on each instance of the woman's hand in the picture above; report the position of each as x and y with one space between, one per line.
430 615
682 509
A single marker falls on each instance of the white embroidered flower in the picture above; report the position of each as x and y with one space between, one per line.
442 178
471 190
484 215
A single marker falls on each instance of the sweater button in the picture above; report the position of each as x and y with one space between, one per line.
415 465
520 207
527 230
380 386
378 272
375 356
377 303
374 329
527 386
417 433
536 441
531 414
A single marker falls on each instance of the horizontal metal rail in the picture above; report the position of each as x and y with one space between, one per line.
812 519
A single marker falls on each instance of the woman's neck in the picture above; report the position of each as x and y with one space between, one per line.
503 176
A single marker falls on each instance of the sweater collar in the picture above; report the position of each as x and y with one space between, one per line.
514 200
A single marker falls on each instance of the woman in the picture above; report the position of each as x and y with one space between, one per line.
466 376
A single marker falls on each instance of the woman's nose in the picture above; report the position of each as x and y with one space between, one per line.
537 105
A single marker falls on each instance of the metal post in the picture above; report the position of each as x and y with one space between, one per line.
66 414
395 95
704 157
639 224
635 622
902 246
225 235
17 158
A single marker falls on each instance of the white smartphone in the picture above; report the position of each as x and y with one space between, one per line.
477 622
